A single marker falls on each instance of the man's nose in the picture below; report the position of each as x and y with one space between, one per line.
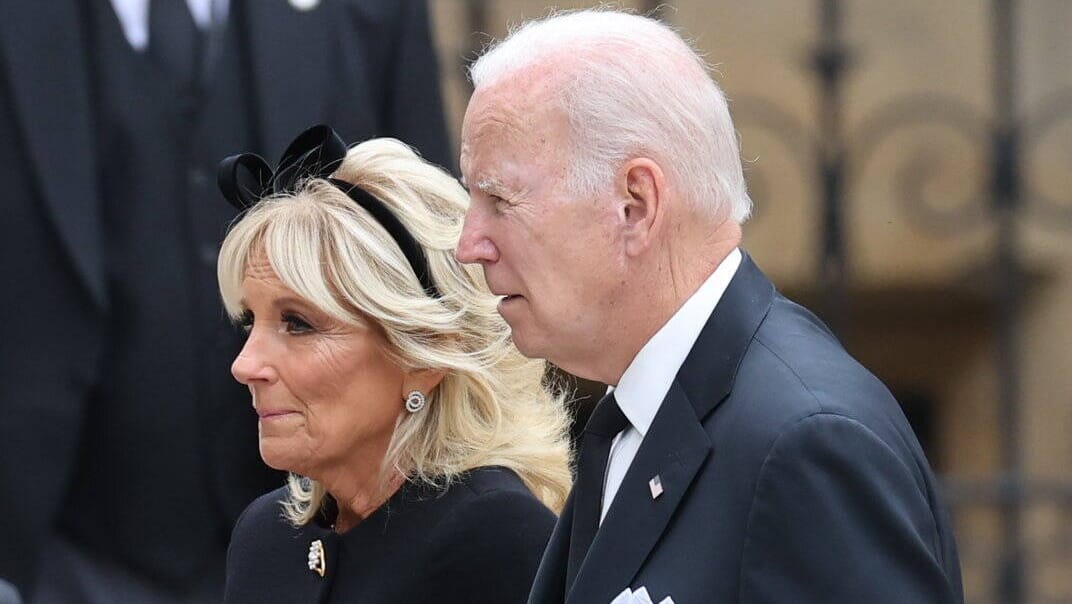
474 245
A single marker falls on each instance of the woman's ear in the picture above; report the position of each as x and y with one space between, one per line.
642 192
422 380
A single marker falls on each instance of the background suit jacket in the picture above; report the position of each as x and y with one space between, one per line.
789 474
364 66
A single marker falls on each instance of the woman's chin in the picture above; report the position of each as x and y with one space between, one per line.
277 456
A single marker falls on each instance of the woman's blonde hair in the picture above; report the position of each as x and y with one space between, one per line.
493 407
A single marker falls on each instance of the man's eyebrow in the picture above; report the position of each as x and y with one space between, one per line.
489 185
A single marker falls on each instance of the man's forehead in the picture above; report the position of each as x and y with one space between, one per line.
488 134
492 117
513 103
500 121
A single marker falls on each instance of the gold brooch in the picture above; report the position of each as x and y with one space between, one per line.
317 559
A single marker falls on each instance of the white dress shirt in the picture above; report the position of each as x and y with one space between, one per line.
134 17
646 381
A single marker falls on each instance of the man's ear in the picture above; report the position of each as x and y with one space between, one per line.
642 191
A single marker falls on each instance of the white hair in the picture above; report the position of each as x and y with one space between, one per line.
631 87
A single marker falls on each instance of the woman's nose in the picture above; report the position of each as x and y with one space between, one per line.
251 364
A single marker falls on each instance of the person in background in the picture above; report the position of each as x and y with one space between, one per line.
425 454
742 455
126 453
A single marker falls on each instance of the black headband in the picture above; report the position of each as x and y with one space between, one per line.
246 179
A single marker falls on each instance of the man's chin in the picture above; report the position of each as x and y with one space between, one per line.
524 344
510 306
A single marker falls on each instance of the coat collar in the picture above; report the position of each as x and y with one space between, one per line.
708 373
676 446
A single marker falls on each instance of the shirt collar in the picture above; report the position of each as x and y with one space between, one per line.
134 17
642 387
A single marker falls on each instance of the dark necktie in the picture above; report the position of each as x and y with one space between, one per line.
175 41
606 422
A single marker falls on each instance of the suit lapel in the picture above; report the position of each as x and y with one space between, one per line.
708 373
44 50
290 56
676 446
673 450
550 583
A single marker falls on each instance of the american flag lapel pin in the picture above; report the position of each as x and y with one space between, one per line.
656 486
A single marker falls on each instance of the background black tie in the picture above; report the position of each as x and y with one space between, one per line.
606 422
175 42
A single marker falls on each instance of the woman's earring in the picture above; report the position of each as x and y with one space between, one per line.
415 401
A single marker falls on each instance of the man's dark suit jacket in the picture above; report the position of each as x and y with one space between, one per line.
789 475
478 541
364 66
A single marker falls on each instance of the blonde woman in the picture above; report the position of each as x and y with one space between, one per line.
426 458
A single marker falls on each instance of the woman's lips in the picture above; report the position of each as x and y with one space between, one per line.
268 415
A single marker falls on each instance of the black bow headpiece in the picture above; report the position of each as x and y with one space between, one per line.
246 179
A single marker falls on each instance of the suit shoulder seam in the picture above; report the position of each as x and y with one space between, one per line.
791 370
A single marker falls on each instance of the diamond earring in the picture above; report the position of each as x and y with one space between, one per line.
415 401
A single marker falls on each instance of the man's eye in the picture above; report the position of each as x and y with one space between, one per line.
294 324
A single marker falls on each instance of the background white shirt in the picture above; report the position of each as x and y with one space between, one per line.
134 17
646 381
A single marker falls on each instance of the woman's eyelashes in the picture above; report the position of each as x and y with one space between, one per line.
289 322
293 324
245 320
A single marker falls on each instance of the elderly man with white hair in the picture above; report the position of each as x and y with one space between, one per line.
741 454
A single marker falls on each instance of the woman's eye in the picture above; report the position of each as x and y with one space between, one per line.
294 324
245 320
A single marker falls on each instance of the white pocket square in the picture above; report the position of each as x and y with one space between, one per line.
640 596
